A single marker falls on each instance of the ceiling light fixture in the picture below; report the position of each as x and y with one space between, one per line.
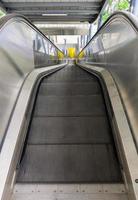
55 14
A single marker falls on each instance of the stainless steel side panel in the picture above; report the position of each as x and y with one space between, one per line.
115 47
122 133
22 48
16 132
16 61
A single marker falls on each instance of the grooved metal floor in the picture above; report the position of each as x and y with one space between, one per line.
69 139
69 192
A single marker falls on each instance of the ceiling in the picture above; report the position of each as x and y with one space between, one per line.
64 29
56 10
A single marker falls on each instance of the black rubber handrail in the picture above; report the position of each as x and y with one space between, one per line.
6 19
119 14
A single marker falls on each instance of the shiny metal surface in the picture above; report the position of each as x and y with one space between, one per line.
115 47
69 191
122 133
16 133
22 48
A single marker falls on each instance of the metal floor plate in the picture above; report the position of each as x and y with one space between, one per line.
39 196
69 139
69 192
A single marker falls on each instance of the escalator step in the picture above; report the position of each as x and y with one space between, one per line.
72 130
68 88
69 164
69 105
72 74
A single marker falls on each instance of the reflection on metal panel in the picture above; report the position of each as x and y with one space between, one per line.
115 47
22 48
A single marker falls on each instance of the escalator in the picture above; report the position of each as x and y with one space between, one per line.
69 139
68 130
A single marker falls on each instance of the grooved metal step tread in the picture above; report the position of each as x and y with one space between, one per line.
70 75
69 164
69 106
68 88
69 130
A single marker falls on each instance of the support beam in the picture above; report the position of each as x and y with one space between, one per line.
31 5
60 19
64 31
43 11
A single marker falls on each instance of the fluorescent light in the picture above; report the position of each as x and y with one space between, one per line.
58 14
